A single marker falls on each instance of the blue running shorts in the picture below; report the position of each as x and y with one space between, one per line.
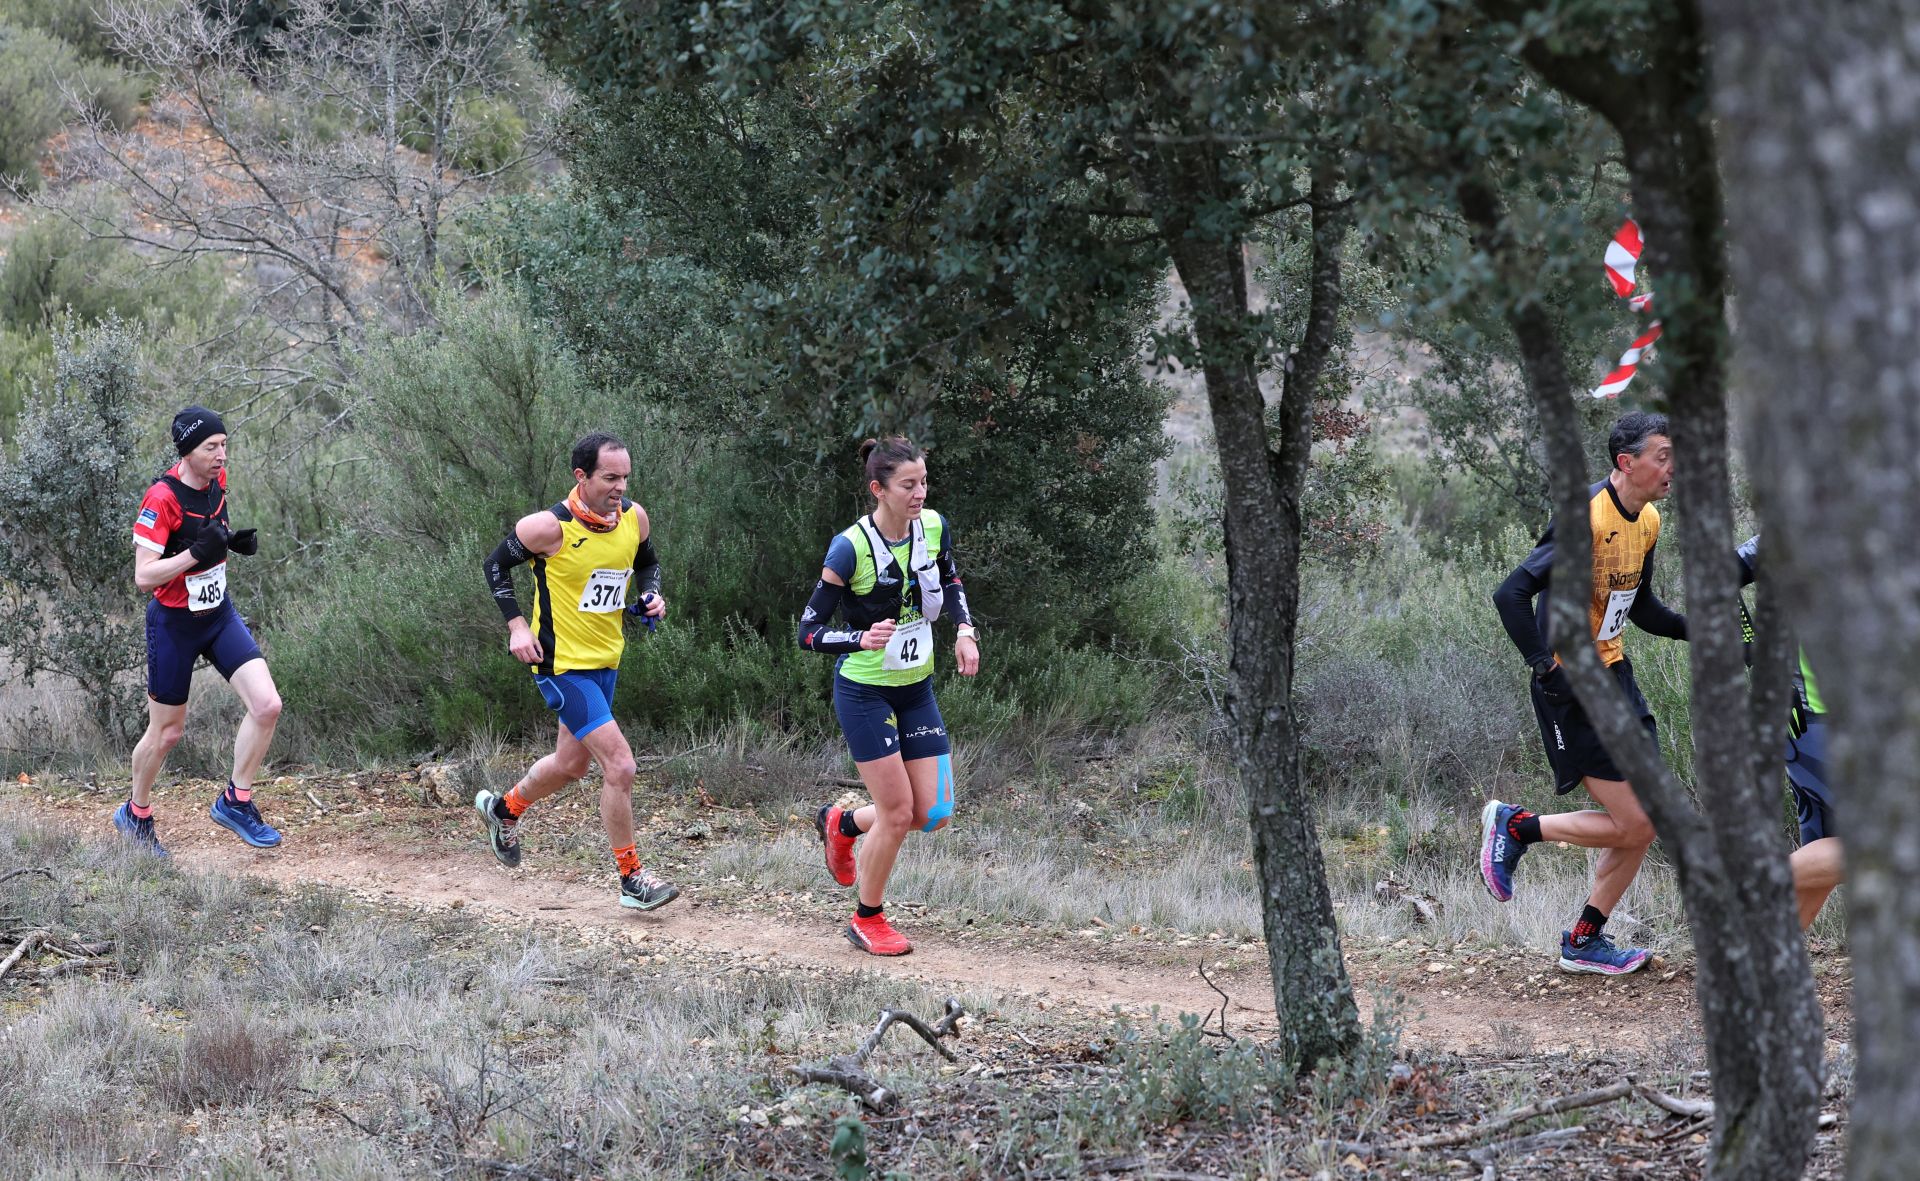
177 637
882 720
583 698
1807 771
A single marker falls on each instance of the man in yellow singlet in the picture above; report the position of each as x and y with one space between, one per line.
586 553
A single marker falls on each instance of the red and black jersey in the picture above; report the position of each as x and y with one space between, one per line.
171 517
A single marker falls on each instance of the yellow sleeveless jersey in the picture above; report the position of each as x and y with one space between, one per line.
580 592
1620 548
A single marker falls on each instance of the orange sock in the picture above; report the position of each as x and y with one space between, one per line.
516 803
627 860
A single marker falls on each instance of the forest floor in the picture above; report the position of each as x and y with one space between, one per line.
1487 1026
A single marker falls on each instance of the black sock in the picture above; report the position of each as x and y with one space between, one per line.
1524 827
500 809
867 912
1591 921
847 827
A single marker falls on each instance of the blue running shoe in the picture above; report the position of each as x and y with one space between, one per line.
139 831
1600 955
244 820
1499 852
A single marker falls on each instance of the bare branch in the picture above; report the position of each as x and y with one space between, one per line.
848 1071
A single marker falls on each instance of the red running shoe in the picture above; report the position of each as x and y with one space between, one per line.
876 936
839 846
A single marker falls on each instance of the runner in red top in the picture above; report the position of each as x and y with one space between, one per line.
181 541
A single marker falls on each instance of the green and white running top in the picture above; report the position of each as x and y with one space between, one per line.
896 587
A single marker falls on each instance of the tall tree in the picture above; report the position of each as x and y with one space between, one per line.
1821 110
1642 69
1000 169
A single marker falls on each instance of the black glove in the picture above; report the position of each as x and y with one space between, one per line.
245 542
1555 687
210 548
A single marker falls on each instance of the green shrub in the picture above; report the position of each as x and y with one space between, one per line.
30 106
35 68
64 586
396 649
77 22
487 133
1174 1074
54 267
25 359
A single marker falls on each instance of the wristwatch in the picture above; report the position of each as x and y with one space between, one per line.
1544 667
965 631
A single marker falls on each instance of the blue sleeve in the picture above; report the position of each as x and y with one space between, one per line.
840 557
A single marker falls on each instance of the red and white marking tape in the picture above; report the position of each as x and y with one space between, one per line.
1622 260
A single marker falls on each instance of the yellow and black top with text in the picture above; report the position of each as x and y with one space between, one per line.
1623 545
580 592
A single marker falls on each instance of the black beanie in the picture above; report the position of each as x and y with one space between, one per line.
194 426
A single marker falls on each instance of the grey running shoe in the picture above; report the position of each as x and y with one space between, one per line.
647 890
503 835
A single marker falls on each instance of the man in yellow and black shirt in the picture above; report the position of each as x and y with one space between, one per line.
587 553
1626 527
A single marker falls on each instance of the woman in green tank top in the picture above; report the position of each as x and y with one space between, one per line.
891 576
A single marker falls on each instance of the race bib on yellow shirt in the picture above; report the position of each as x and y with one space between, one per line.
606 591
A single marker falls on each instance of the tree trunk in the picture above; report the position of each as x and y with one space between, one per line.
1821 106
1263 490
1753 983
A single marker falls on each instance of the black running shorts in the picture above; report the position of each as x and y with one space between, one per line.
1573 745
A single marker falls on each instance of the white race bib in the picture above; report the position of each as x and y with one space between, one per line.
207 589
910 645
1615 620
605 592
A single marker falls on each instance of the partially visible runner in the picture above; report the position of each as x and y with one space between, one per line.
890 575
1625 528
1818 864
586 552
181 541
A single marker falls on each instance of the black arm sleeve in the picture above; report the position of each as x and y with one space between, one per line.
817 633
646 568
954 591
505 556
1514 600
1649 614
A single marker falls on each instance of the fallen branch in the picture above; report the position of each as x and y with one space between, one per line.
839 781
1553 1138
65 966
1225 1002
32 940
1685 1108
42 870
659 758
848 1071
1518 1115
322 808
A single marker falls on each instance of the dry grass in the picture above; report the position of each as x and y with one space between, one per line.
317 1038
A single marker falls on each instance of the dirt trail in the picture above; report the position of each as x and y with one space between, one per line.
1579 1013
